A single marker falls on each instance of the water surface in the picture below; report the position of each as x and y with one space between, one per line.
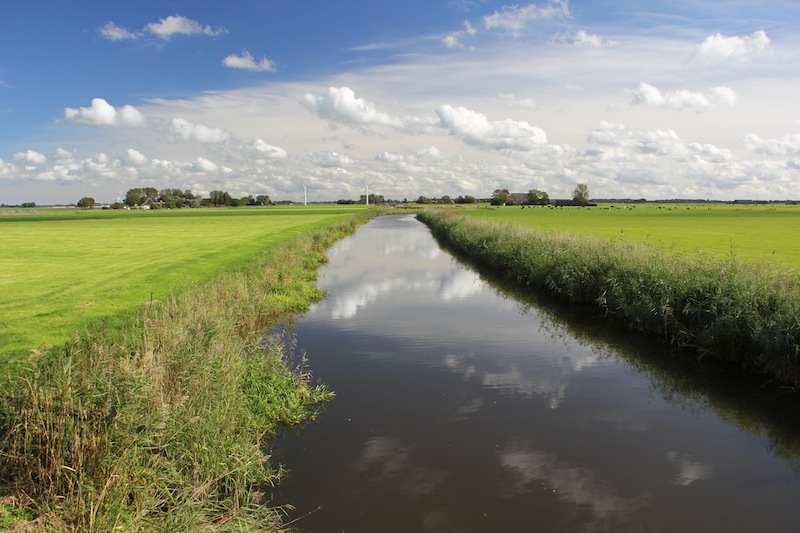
461 407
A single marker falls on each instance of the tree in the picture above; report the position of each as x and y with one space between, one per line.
581 194
374 199
424 200
501 197
219 198
190 200
172 198
466 200
134 197
537 197
263 199
445 200
86 203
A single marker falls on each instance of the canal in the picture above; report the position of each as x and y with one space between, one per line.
463 406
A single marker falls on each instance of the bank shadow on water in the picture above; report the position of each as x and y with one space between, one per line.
753 403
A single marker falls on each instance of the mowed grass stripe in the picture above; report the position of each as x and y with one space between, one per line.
59 269
753 233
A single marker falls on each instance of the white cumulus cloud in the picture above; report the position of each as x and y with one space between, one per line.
609 136
262 150
185 130
650 95
30 157
201 164
134 158
163 29
6 169
62 156
247 62
720 48
710 153
474 128
101 113
786 146
179 25
650 160
113 32
341 105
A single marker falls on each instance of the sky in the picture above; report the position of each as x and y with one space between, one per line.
657 100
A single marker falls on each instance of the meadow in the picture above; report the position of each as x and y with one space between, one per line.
162 424
60 268
751 233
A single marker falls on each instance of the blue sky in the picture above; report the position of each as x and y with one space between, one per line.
681 99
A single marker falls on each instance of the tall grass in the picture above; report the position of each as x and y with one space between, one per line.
744 313
164 427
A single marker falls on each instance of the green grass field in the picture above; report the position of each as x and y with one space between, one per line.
766 233
62 267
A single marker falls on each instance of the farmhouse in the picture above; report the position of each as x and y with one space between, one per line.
519 198
149 203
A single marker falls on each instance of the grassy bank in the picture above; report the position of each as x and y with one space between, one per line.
744 313
161 426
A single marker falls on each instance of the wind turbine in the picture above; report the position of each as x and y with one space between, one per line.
367 186
305 196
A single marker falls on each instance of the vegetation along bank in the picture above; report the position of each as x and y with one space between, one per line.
162 427
744 313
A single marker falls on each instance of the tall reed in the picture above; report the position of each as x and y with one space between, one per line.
164 427
748 314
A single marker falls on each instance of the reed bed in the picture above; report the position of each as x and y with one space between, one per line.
164 427
744 313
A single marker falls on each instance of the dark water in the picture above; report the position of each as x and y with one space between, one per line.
461 407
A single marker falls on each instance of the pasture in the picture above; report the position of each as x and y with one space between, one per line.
752 233
60 268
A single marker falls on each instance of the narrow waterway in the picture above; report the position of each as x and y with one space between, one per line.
462 407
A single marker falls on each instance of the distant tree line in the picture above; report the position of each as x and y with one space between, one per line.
223 199
447 200
176 199
153 198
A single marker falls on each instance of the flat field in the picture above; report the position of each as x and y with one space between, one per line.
753 233
62 267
